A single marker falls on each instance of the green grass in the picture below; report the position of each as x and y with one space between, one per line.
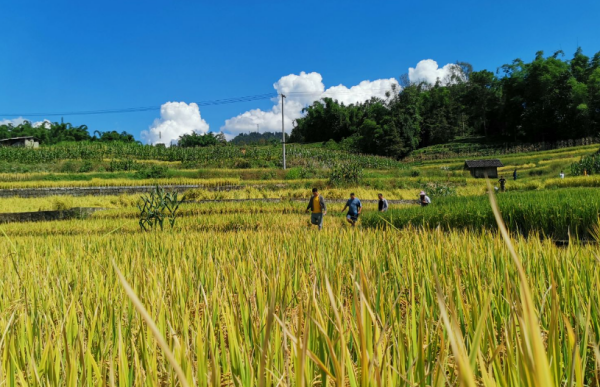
551 213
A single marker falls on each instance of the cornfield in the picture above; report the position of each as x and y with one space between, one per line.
210 156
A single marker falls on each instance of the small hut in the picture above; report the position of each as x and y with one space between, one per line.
483 168
26 141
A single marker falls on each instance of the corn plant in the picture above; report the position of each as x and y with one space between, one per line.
157 206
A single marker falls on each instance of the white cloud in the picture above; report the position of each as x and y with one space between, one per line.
361 92
46 124
428 71
14 121
300 91
20 120
176 119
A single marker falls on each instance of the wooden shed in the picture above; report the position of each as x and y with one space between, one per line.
26 141
482 168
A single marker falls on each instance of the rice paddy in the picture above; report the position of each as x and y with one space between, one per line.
249 294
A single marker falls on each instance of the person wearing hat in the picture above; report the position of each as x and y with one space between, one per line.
502 182
424 199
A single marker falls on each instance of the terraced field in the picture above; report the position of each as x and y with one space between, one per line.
248 293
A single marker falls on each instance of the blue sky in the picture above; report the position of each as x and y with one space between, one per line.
65 56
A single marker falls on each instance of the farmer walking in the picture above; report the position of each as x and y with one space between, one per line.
383 203
424 199
515 174
354 209
317 205
502 182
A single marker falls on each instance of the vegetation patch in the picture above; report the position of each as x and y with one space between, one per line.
557 214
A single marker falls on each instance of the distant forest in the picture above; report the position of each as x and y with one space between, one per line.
55 132
546 100
256 138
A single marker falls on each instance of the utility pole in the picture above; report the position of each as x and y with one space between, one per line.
283 130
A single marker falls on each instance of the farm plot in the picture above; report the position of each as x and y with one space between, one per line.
250 295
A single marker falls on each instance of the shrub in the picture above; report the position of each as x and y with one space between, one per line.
269 175
122 165
154 172
242 164
438 190
87 166
331 144
297 173
345 174
415 173
589 163
68 166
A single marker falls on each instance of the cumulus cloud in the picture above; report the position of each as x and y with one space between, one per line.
13 122
428 71
176 119
300 91
46 124
20 120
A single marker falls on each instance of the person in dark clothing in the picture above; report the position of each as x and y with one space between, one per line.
515 174
383 203
502 182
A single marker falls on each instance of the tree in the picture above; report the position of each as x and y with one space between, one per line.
113 136
547 99
201 140
256 138
482 102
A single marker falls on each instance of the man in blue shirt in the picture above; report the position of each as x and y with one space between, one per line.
354 209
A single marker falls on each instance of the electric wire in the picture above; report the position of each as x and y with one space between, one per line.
216 102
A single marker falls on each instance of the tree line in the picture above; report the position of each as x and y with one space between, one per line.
548 99
56 132
256 138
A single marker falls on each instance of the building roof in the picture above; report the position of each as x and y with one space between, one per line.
20 138
483 163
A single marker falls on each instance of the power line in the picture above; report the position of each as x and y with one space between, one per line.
215 102
336 91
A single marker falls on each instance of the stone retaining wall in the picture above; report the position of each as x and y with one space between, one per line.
40 216
274 200
103 191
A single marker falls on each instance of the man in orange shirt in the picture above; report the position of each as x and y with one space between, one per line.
317 204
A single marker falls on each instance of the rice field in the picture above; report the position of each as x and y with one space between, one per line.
559 214
247 294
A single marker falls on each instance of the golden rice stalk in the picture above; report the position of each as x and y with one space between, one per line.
146 316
